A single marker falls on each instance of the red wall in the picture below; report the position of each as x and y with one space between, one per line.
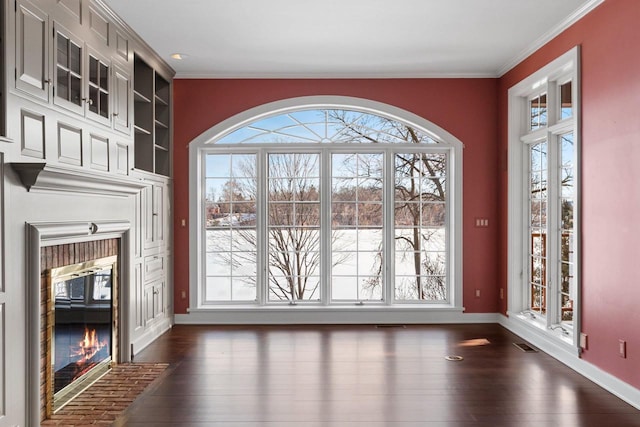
609 37
464 107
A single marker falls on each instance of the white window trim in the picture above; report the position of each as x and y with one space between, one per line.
563 68
197 148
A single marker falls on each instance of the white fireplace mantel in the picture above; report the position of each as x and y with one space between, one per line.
42 234
53 178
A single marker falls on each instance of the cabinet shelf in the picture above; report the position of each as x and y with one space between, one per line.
161 101
152 95
140 129
138 97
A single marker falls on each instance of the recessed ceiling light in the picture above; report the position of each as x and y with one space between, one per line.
178 56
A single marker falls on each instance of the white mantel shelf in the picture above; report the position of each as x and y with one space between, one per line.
52 178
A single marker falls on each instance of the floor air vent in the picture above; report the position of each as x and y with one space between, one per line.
390 326
525 347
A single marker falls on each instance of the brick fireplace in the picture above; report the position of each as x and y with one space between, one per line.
79 294
79 260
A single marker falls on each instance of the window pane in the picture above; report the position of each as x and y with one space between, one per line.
356 240
75 58
104 77
93 70
538 112
104 104
567 231
218 165
566 106
93 99
419 218
62 89
232 239
75 90
369 214
63 51
538 201
293 227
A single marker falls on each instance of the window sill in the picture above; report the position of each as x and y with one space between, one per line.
536 331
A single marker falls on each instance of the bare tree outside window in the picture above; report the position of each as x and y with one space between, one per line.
293 231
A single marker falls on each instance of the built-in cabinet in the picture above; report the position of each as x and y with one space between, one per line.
155 251
85 136
87 100
32 50
152 119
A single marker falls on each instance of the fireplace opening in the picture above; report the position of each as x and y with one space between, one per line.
83 337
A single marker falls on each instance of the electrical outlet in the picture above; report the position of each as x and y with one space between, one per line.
482 222
183 294
622 348
477 293
584 343
501 293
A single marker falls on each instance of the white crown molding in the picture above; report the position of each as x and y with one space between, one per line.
320 76
549 35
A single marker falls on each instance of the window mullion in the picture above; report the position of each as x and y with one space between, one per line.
325 227
262 281
388 240
552 232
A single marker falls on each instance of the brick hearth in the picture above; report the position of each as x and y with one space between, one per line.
108 397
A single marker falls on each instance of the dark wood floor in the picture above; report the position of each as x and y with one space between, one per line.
312 376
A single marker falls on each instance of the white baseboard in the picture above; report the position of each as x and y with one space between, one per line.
150 335
623 390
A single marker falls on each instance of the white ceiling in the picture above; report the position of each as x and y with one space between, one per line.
347 38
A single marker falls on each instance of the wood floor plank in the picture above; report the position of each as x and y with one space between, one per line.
356 376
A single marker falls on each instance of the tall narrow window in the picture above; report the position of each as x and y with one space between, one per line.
544 139
230 227
420 227
538 202
293 227
357 226
327 207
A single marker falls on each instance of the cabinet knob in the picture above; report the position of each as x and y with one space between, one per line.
48 81
88 100
115 114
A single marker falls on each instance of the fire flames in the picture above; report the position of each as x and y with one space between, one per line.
89 346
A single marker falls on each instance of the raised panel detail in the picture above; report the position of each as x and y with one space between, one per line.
122 46
31 50
99 153
99 25
122 101
69 144
73 8
153 267
122 158
32 134
139 305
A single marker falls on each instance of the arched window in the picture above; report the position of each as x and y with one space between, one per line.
326 204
